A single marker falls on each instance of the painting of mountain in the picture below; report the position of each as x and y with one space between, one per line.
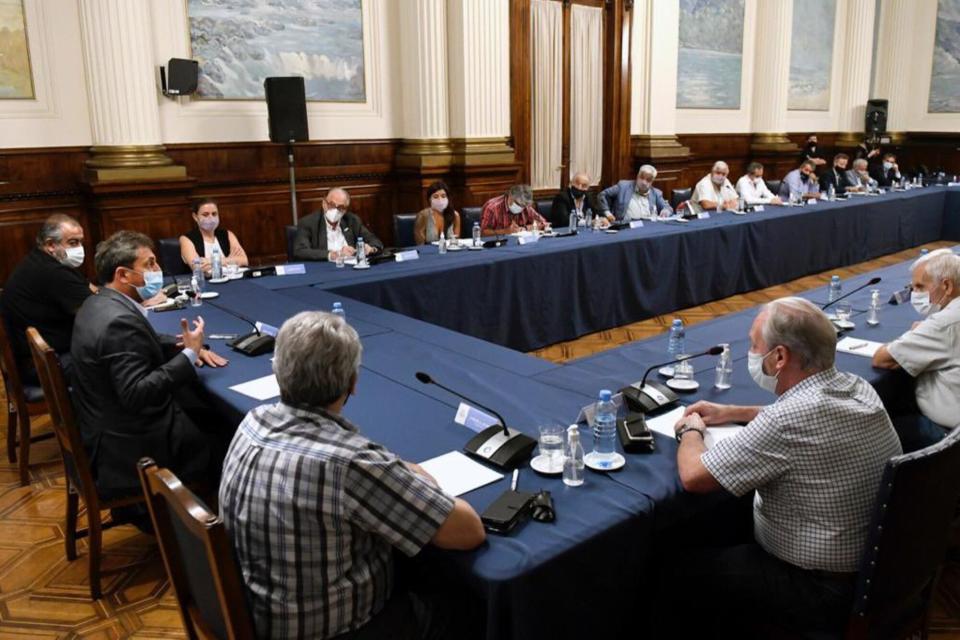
710 56
811 55
238 43
16 80
945 77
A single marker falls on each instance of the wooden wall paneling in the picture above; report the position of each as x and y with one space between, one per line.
475 184
933 150
521 84
21 219
618 31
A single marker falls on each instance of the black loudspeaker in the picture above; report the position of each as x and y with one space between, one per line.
876 119
286 108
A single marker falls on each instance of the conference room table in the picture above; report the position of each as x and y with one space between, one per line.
591 571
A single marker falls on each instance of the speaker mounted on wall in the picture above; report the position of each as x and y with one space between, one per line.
180 77
876 116
286 108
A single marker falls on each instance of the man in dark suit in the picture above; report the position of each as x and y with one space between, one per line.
129 383
837 176
887 173
323 235
574 199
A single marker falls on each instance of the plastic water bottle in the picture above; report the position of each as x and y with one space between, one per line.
573 460
442 244
197 280
361 252
588 220
676 344
924 252
216 263
196 300
337 310
604 428
835 289
573 222
831 193
476 234
724 368
873 315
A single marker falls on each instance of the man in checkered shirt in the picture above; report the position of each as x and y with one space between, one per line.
315 510
815 458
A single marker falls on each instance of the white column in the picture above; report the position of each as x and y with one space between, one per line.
479 68
771 68
656 31
120 73
895 60
423 63
856 59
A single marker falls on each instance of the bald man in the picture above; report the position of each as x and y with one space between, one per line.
576 198
323 235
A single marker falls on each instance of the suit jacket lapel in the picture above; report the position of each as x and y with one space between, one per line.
131 306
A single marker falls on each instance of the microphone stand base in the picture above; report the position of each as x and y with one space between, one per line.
505 452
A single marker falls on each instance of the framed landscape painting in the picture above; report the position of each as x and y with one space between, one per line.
16 79
811 55
710 55
945 77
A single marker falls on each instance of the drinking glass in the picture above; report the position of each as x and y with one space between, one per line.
551 445
183 285
844 311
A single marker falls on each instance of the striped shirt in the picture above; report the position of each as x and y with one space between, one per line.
314 510
496 215
815 458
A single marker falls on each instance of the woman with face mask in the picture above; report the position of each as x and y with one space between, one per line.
200 242
439 216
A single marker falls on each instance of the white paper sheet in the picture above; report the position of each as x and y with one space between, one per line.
664 424
858 346
260 389
457 474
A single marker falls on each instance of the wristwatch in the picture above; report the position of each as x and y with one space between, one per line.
685 428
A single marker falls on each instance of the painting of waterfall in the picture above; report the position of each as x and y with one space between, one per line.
945 78
710 56
16 80
238 43
811 55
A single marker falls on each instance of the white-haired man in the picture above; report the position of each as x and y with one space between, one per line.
316 510
930 351
859 176
714 191
634 199
815 458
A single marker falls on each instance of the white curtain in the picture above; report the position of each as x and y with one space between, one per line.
546 21
586 91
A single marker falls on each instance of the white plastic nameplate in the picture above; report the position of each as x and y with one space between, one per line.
703 215
406 256
528 238
290 269
473 419
636 224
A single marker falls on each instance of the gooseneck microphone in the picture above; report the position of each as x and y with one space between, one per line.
872 282
426 379
237 315
712 351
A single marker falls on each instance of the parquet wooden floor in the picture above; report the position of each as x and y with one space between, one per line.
44 596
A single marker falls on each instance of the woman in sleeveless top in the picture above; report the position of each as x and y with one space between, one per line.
199 242
440 215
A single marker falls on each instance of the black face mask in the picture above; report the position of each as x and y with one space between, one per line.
804 177
577 193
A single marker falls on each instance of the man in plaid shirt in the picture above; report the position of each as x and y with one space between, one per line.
315 510
815 458
510 213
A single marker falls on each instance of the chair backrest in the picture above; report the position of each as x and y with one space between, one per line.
198 556
908 538
774 186
169 257
291 235
545 207
12 383
469 215
680 195
403 224
75 462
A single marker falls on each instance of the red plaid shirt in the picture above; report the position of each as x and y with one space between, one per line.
496 215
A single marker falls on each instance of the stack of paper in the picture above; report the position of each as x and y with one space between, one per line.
858 346
457 474
665 424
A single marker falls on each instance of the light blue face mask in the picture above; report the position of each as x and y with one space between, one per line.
152 284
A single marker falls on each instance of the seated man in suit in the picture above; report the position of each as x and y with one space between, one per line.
801 182
838 177
815 458
317 511
574 199
860 176
323 235
753 189
129 382
635 199
930 351
887 173
45 291
511 212
714 191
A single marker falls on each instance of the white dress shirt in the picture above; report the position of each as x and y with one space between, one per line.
754 191
639 207
335 239
706 190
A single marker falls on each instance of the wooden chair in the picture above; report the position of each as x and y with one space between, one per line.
23 403
198 556
76 466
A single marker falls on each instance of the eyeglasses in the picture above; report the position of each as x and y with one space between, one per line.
341 208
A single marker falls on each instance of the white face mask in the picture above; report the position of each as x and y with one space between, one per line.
921 302
332 215
515 209
643 186
439 204
755 366
73 256
718 180
887 166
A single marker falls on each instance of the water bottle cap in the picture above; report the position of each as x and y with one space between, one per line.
573 430
677 321
337 304
605 395
835 279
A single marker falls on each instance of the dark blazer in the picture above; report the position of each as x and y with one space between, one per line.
311 240
125 378
839 179
621 194
884 178
563 206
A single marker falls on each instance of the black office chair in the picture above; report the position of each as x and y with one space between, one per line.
907 542
680 195
469 215
403 229
291 235
774 186
545 208
169 257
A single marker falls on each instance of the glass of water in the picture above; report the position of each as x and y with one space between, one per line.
183 285
683 370
844 311
551 446
339 259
